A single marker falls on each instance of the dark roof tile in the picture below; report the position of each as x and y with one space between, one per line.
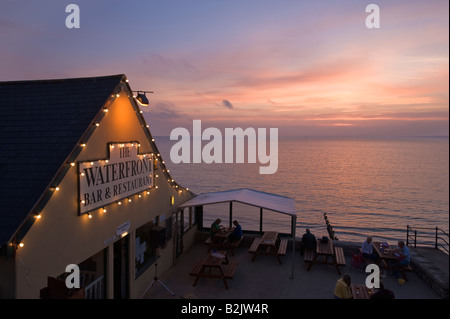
40 124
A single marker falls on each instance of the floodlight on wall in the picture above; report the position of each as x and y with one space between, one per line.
142 98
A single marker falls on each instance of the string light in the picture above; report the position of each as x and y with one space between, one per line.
156 159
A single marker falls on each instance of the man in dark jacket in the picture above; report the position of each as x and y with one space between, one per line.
309 241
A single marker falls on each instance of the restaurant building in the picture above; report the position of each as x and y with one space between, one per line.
83 183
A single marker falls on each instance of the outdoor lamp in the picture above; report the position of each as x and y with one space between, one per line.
141 98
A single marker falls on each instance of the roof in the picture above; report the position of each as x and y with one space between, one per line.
41 122
277 203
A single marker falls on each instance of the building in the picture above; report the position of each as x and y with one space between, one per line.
82 183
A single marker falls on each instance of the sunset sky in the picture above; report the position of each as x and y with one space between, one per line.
306 67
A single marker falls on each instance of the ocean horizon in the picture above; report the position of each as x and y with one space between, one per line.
366 185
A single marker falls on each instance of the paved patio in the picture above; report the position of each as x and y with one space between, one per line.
265 278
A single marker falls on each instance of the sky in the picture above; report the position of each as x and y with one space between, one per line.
308 68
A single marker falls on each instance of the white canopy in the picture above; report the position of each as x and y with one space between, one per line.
277 203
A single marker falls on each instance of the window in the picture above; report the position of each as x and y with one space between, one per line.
188 218
145 253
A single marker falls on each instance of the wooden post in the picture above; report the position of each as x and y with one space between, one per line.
436 239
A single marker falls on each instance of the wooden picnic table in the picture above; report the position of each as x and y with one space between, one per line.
361 291
267 245
389 259
326 253
221 240
211 266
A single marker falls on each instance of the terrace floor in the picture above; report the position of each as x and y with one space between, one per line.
265 278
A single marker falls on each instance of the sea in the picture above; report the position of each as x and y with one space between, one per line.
361 186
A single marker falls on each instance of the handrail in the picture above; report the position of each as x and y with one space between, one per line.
441 238
94 290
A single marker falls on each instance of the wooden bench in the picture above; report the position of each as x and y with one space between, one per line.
340 259
254 247
308 255
282 249
231 269
234 244
197 268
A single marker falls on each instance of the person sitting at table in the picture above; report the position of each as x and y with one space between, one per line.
215 227
342 289
403 252
309 242
367 250
383 293
237 231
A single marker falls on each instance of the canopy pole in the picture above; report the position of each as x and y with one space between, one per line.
230 219
294 225
260 220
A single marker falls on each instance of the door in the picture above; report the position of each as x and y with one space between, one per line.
121 269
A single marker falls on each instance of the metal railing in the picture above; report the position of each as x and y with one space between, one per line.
95 289
427 236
